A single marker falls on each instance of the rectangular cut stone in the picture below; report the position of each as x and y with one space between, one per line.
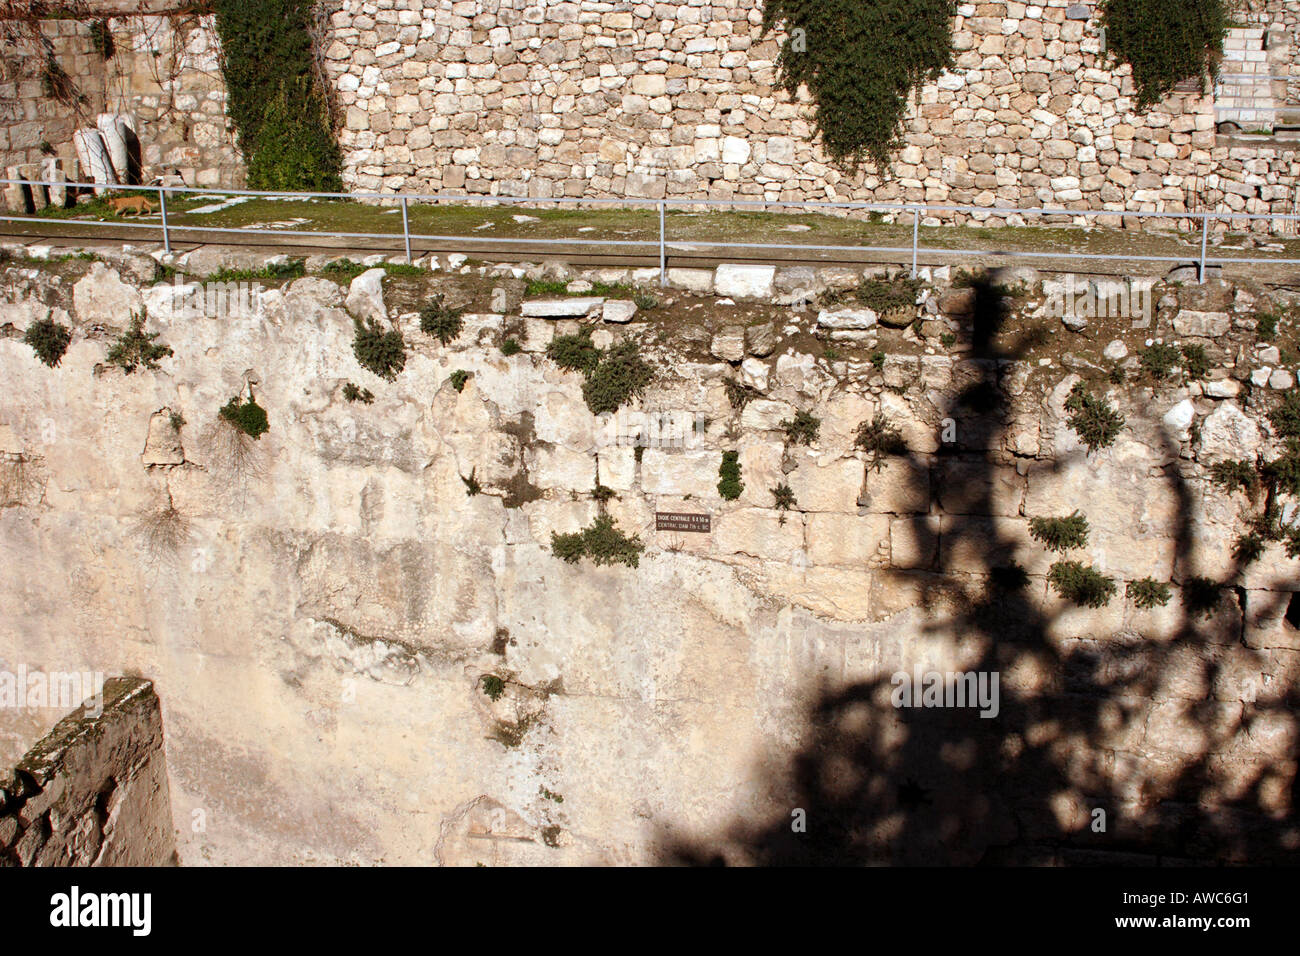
857 319
561 308
744 282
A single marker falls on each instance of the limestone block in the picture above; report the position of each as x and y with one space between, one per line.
899 486
561 468
857 541
744 281
572 308
758 533
833 486
668 472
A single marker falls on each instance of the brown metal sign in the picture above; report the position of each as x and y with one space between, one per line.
679 521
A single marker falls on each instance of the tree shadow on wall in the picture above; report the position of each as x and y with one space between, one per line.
1153 732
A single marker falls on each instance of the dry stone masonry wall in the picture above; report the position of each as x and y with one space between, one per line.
547 99
164 72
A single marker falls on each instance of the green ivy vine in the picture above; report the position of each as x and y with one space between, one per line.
860 60
275 100
1165 41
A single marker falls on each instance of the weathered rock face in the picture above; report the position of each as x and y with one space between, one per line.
93 792
318 608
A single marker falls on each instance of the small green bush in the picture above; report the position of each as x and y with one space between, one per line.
441 322
886 294
511 347
379 350
458 379
1093 419
536 287
403 269
879 438
575 352
472 486
48 339
602 493
1158 360
1293 542
493 687
136 347
601 541
249 417
739 395
1081 585
1236 476
176 420
1060 534
352 393
645 301
619 376
101 41
1201 596
802 429
272 271
1195 361
784 497
344 269
878 360
730 486
1147 593
1286 416
1283 472
1248 548
1266 326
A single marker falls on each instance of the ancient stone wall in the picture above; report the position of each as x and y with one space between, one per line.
624 98
320 610
163 71
93 792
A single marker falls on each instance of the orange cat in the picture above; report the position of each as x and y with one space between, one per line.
123 204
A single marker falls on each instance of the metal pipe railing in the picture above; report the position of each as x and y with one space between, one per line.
917 210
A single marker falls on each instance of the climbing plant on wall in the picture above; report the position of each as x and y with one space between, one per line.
860 59
1165 41
276 99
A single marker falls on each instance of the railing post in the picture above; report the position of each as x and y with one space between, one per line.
162 207
916 233
406 231
663 249
1205 241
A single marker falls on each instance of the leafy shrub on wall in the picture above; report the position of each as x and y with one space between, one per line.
1165 41
275 100
860 59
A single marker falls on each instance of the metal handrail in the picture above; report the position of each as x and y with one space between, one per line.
916 210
